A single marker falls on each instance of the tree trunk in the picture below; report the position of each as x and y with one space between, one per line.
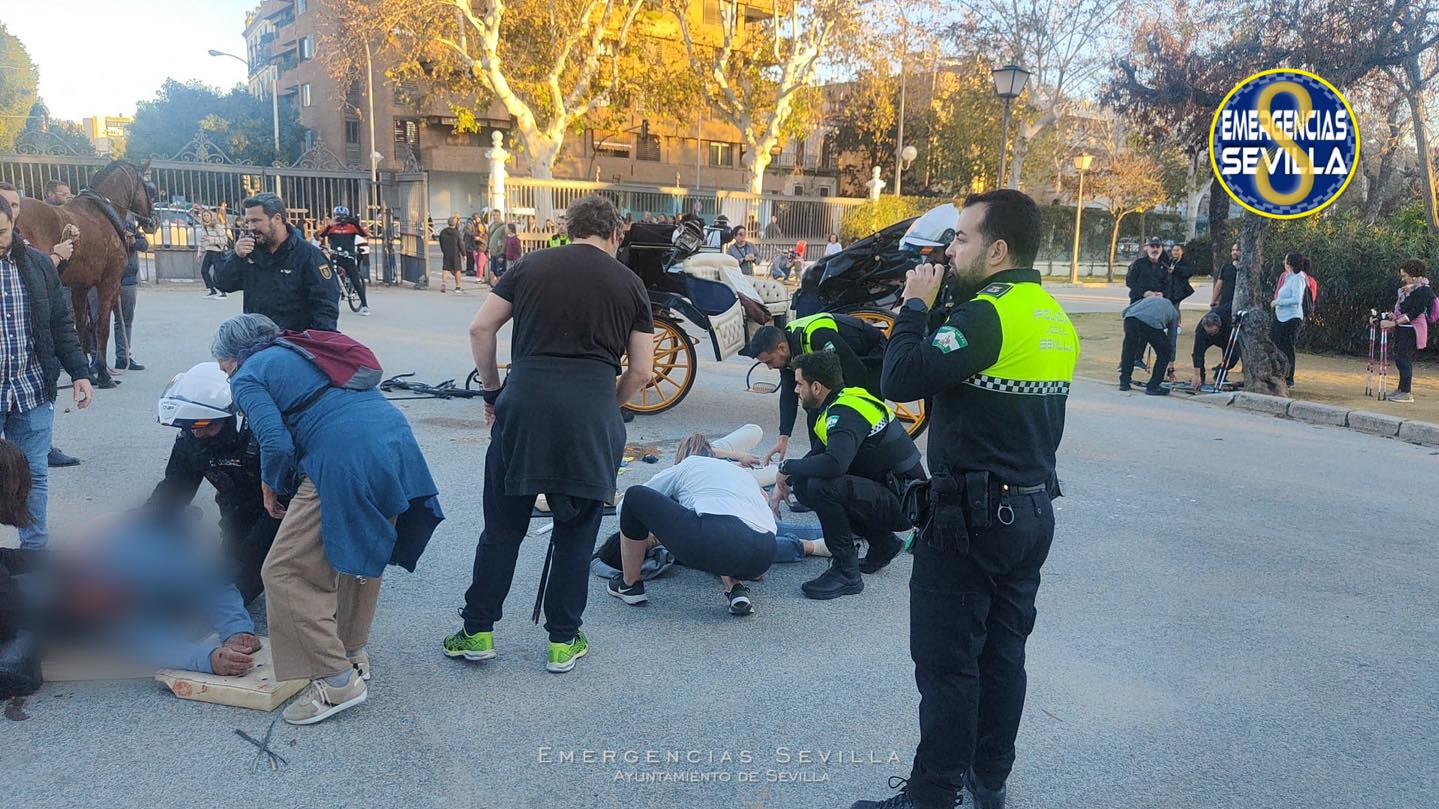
1414 94
1194 187
1113 246
1016 165
1219 239
1264 367
542 167
1374 202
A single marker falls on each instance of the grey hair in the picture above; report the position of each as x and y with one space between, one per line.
241 333
593 215
270 203
1211 319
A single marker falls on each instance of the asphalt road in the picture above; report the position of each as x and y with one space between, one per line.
1115 297
1237 612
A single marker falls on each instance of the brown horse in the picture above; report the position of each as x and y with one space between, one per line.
117 190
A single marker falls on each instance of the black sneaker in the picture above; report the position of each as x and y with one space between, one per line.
881 554
739 603
133 366
1141 365
633 594
58 459
1148 391
833 583
1125 386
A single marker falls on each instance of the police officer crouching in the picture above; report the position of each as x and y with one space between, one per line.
858 345
853 478
999 370
213 446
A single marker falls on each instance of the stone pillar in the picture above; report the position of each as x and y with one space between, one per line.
497 155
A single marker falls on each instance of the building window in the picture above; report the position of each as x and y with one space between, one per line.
824 191
609 146
352 132
648 148
301 6
799 191
721 155
305 94
307 48
711 13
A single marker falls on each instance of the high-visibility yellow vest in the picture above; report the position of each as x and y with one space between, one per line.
1040 346
861 401
805 327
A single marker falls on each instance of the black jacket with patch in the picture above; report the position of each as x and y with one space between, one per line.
292 286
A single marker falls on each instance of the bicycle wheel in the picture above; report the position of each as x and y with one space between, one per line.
352 297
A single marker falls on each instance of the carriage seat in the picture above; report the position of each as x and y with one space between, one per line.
773 295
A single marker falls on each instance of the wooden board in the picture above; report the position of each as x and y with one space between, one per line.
257 690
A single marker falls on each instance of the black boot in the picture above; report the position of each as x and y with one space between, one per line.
841 579
882 551
984 798
899 801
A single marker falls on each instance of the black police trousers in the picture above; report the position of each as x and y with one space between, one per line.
970 614
850 505
246 546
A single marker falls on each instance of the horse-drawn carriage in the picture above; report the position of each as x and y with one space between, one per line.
697 292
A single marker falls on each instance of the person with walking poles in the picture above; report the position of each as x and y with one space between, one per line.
1413 315
999 370
555 423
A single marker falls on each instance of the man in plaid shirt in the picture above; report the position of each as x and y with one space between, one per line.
37 337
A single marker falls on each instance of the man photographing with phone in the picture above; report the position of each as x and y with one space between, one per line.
999 370
284 277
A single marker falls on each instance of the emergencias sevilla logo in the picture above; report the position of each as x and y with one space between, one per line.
1284 143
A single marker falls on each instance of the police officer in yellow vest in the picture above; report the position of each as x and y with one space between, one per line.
853 477
859 346
999 370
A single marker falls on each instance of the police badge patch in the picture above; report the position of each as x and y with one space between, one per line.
948 339
829 345
995 290
325 272
830 422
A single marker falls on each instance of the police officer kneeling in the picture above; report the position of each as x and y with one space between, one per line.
853 477
999 371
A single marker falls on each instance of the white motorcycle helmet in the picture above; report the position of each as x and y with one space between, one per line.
934 229
197 397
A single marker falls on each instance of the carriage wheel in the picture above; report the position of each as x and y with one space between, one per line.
674 374
913 415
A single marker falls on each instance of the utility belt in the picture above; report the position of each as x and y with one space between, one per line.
949 506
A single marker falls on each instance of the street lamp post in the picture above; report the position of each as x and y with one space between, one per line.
1082 163
1009 82
899 161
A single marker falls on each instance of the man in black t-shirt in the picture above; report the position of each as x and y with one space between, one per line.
1223 294
555 422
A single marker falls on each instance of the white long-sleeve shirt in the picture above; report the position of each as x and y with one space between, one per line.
712 486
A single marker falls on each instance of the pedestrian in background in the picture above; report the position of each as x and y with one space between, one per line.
212 241
451 244
513 248
469 236
832 246
1288 305
1411 324
498 234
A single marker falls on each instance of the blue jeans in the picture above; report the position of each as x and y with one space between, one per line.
30 431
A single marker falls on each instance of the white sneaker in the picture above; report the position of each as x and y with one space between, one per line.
320 700
212 294
365 310
222 295
1403 398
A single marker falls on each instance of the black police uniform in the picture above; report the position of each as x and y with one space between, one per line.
292 286
859 346
231 463
999 370
853 478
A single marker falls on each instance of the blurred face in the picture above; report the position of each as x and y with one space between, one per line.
1287 268
739 235
1153 250
811 394
229 366
59 195
1234 252
1177 252
208 431
207 218
7 233
777 359
1210 329
1406 277
266 229
12 203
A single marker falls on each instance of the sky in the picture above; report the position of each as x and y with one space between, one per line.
103 56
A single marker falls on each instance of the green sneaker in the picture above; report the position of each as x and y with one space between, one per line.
479 646
564 655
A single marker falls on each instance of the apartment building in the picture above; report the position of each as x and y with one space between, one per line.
283 38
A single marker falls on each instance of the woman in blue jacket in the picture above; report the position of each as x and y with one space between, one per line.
322 575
